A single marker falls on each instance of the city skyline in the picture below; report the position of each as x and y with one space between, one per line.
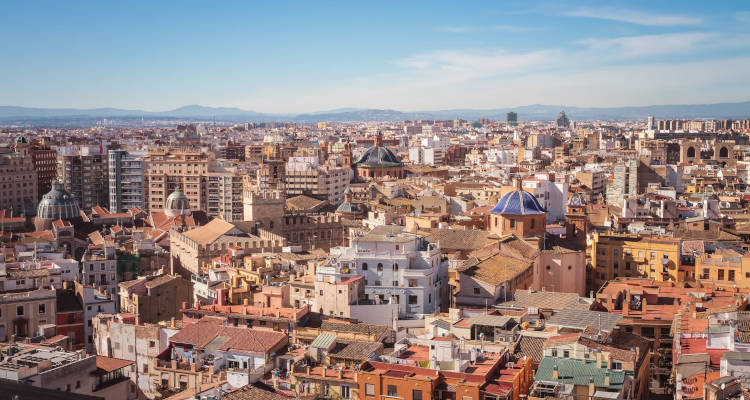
297 57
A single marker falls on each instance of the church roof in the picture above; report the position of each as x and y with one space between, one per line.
518 202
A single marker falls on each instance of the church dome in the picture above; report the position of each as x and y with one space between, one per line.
379 156
177 204
58 203
519 202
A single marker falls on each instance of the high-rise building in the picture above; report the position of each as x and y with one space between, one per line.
651 123
512 118
562 120
19 188
126 188
169 170
83 172
45 163
306 176
224 191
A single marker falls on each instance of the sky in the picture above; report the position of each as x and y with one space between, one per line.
306 56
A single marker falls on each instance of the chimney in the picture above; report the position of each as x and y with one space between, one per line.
307 370
555 373
606 378
592 388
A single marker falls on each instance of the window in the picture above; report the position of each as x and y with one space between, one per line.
369 390
78 384
721 275
532 224
513 223
706 273
416 394
19 310
627 265
378 283
364 266
566 353
412 299
665 331
731 275
345 391
412 283
395 283
476 290
151 344
380 267
392 391
42 308
320 292
640 254
653 254
617 365
554 352
647 332
395 266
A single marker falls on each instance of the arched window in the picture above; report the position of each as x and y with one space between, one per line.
724 152
380 266
364 266
691 151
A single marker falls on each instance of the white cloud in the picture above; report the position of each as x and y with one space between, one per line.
635 17
651 45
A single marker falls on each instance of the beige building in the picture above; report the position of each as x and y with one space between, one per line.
212 186
305 175
23 313
193 250
18 190
168 170
83 171
155 298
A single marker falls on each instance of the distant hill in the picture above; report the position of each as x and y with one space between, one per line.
536 112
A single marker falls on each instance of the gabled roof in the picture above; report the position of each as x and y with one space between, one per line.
580 319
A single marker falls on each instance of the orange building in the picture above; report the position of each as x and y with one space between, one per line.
493 376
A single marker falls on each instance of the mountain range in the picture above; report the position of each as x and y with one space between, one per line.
536 112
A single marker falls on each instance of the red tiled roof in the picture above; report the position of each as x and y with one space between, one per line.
108 364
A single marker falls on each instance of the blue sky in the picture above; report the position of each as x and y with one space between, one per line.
286 56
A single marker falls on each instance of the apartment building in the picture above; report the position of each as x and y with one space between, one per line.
622 255
83 172
126 180
307 176
99 268
398 267
155 298
169 170
19 182
224 192
45 162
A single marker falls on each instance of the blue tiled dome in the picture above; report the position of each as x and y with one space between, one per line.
519 202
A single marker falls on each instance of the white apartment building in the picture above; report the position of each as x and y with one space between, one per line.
224 191
125 180
99 268
398 267
501 155
552 192
307 176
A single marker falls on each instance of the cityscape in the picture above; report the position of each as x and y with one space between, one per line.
379 202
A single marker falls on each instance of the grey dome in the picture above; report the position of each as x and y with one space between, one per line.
347 207
58 203
379 156
177 204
